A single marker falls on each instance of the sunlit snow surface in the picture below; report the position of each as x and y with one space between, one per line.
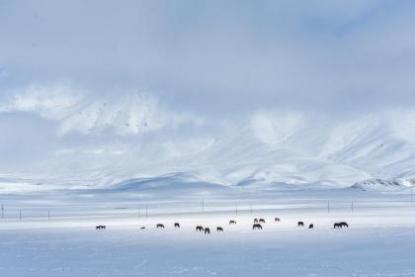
84 141
379 242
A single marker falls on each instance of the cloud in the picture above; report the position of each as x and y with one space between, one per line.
51 102
177 77
220 57
90 113
274 128
125 114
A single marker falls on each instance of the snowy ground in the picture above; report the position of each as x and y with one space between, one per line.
379 242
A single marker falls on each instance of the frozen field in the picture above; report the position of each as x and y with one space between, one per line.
379 242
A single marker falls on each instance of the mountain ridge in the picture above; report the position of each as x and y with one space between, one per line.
107 141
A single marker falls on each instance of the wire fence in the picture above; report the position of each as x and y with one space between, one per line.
18 212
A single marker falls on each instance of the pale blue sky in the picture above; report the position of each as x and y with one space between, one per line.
217 55
89 77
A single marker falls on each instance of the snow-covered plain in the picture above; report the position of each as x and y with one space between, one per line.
379 242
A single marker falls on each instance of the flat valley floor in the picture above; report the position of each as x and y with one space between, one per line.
379 242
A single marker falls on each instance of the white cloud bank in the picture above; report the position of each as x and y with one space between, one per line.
228 83
77 110
51 102
215 56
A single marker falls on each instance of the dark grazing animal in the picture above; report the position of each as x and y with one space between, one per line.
176 225
159 225
100 227
300 224
261 220
219 229
207 231
142 228
340 225
199 228
344 224
311 226
257 226
277 219
256 220
232 222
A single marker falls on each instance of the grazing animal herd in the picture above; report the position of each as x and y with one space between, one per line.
206 230
256 226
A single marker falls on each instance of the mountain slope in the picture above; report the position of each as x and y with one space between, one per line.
103 142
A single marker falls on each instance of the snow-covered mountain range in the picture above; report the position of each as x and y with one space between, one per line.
99 142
